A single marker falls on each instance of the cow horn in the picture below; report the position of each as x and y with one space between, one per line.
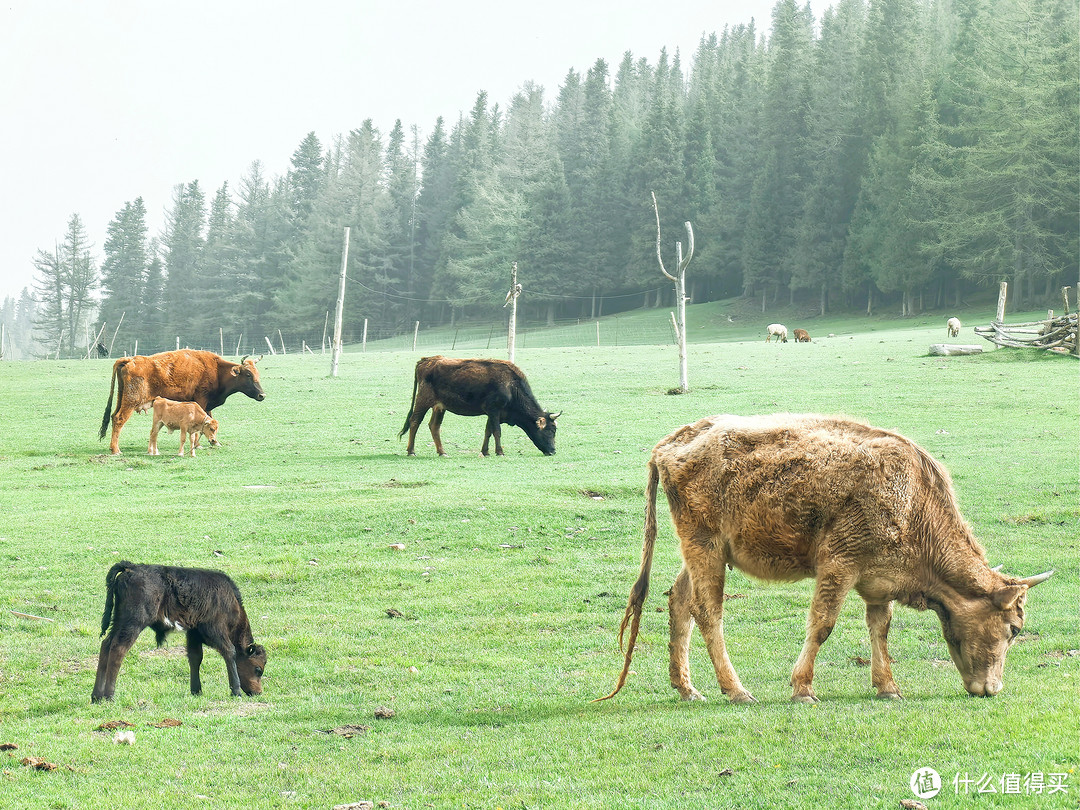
245 357
554 416
1031 582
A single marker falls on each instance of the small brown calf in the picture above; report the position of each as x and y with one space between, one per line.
802 336
188 417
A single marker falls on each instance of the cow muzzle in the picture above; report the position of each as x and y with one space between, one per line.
987 688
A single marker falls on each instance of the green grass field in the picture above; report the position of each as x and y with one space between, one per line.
511 586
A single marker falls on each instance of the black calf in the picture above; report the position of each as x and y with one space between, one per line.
205 604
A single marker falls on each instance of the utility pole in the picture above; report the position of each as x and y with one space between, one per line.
335 353
511 301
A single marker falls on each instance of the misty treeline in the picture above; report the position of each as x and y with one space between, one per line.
893 154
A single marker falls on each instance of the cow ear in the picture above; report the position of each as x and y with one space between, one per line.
235 371
253 650
1006 598
541 423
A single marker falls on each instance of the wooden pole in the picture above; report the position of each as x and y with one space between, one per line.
269 344
1002 290
363 342
238 341
96 341
511 299
221 340
598 333
415 333
136 347
326 322
282 341
680 290
335 354
113 341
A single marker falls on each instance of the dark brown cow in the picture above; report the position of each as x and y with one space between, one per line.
186 376
802 336
787 497
205 604
494 388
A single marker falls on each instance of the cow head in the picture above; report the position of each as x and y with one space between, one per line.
250 663
209 430
247 378
980 629
542 432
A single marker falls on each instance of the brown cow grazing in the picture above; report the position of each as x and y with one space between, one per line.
786 497
184 376
494 388
802 336
187 417
206 605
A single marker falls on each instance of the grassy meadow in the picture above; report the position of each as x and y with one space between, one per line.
507 595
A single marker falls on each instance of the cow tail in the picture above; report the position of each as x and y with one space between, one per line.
110 595
108 406
412 403
632 617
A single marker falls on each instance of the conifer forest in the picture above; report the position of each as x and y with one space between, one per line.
893 154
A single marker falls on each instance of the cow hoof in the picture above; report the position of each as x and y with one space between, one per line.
808 698
889 696
691 695
742 697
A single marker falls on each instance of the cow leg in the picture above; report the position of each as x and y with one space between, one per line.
708 611
102 666
437 414
113 649
415 418
123 413
680 626
183 440
704 568
829 593
195 657
152 449
493 428
878 618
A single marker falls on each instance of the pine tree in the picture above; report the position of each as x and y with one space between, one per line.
123 272
183 246
66 278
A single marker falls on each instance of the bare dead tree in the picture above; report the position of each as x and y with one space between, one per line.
680 289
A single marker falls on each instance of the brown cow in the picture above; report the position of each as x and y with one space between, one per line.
494 388
187 417
185 376
802 336
786 497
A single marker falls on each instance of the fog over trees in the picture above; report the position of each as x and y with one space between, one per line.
893 154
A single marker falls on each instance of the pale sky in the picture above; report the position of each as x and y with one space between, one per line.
103 101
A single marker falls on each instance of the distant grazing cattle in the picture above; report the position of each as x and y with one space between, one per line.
185 376
802 336
786 497
206 605
187 417
777 330
493 388
953 325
